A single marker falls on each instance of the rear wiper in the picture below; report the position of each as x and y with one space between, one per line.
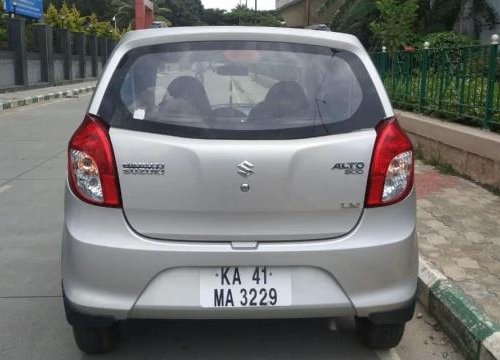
317 100
318 111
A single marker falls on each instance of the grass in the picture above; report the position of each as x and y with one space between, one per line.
442 166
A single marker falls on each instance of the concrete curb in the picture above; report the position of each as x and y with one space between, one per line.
467 325
44 98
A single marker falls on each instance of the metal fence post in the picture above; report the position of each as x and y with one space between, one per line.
407 74
93 53
46 49
424 71
383 64
492 69
110 44
17 42
81 48
394 69
463 78
64 38
103 50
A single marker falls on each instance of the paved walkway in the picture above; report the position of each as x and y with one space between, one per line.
19 95
459 233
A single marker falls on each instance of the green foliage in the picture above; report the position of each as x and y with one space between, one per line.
457 81
442 166
351 16
3 27
449 39
241 15
125 12
162 13
184 12
52 16
445 13
72 19
394 27
269 18
355 16
215 17
66 17
105 8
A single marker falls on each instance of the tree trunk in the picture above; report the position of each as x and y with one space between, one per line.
466 23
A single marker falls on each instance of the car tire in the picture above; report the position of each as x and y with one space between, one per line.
96 340
379 336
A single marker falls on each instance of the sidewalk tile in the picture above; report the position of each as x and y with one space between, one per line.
459 233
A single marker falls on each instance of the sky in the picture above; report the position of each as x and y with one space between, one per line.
230 4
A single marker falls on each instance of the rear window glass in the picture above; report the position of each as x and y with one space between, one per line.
241 90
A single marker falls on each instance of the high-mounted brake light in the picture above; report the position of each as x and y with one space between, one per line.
392 167
91 164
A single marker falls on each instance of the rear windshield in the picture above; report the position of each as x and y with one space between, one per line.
241 90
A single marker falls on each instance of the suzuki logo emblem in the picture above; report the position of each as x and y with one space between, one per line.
245 168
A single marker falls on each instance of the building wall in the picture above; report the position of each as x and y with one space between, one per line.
295 12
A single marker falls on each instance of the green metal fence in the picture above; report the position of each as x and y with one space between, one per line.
461 84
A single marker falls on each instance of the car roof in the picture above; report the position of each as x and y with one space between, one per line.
146 37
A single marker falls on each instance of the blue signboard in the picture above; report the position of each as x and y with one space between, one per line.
29 8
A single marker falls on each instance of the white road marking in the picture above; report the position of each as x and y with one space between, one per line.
387 354
4 188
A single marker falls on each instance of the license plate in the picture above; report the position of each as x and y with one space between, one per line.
237 286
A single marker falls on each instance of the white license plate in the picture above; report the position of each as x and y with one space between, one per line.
252 286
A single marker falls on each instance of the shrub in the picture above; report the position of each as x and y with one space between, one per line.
394 27
70 18
3 27
449 39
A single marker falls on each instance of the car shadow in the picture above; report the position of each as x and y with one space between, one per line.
238 339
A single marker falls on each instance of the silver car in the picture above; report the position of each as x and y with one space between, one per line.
231 173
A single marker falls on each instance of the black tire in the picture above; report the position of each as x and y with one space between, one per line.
96 340
379 336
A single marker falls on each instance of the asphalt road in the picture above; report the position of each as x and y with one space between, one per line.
32 325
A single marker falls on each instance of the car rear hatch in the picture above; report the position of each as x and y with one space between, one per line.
242 141
293 193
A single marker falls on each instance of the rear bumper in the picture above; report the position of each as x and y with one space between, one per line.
109 270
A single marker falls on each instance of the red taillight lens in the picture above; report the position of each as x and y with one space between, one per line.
91 164
392 167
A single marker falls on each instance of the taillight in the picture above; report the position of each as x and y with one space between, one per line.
392 167
91 164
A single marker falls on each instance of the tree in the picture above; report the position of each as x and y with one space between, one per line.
52 16
66 17
70 18
125 13
215 17
105 8
242 15
351 16
162 13
465 16
3 27
395 26
184 12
